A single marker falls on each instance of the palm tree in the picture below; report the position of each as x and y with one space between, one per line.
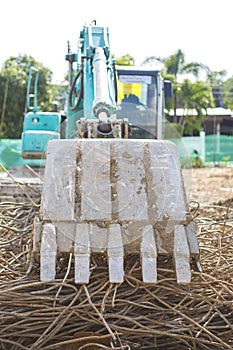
195 96
175 65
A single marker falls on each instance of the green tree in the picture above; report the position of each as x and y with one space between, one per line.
13 86
125 60
197 97
227 91
216 78
176 66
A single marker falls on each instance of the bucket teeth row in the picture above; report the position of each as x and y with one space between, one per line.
115 254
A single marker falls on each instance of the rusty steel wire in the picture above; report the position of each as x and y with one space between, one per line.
100 315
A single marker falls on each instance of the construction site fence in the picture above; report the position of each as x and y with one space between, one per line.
211 149
10 154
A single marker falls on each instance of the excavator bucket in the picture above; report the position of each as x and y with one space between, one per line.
114 197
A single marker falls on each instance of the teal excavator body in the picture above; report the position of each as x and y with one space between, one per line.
38 127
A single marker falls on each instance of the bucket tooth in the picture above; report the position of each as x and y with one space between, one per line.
192 238
193 243
115 254
148 255
82 253
48 253
37 234
181 255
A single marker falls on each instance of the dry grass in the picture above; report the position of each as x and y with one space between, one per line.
62 315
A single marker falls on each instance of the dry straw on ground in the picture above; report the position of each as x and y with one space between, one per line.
62 315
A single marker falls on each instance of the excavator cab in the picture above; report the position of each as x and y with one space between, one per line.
141 100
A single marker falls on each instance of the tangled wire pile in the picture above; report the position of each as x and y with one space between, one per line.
62 315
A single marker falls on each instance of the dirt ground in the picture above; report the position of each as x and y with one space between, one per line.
209 185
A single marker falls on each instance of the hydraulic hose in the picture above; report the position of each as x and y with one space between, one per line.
80 93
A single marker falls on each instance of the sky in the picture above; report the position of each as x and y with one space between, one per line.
202 29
